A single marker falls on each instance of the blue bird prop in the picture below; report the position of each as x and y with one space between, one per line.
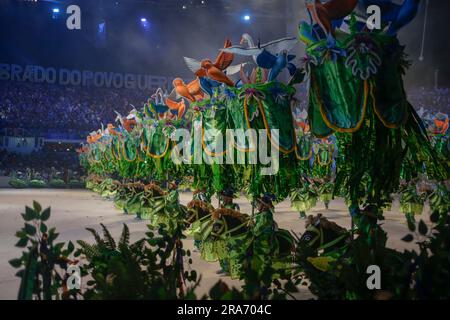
396 15
160 108
276 63
208 85
271 55
406 14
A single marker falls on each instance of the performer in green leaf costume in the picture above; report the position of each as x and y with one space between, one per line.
264 247
356 92
227 197
199 216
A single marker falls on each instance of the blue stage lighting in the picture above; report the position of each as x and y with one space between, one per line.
145 23
247 17
55 10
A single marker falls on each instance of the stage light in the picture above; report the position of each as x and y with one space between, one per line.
145 23
247 17
55 13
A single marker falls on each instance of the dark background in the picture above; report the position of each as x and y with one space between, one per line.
29 34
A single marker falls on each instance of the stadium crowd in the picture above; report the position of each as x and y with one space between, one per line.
45 108
431 99
40 161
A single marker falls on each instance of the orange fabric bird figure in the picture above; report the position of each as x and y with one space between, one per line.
180 107
324 13
195 89
128 124
93 138
111 129
224 59
215 71
441 126
182 90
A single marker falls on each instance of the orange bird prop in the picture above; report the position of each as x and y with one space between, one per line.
180 107
324 13
111 129
182 90
440 126
129 124
215 71
191 91
93 138
195 89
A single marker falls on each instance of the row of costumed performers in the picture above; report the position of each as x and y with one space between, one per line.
358 138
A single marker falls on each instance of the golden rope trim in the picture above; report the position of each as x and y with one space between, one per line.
205 148
126 156
296 150
94 160
139 157
323 112
266 125
117 156
301 158
384 121
155 156
330 158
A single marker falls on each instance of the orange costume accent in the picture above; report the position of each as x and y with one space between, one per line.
129 124
440 126
182 89
111 129
195 89
215 70
324 13
214 73
304 125
94 138
179 106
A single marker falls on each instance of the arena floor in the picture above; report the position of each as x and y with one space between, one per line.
74 210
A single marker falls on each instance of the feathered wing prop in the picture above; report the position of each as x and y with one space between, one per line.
195 65
274 47
224 59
